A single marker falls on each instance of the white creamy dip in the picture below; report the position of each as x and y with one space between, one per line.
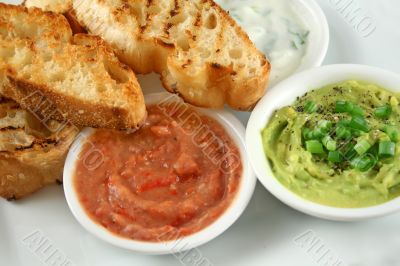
276 29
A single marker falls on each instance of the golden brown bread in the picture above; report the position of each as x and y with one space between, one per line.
47 70
32 153
58 6
196 47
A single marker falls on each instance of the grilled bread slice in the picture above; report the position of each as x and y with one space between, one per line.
59 76
57 6
196 47
32 153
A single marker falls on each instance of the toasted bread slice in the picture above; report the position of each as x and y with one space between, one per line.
198 49
59 76
32 153
57 6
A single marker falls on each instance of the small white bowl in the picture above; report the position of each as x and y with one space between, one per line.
285 94
246 188
318 39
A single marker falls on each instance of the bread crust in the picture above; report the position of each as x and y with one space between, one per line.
49 105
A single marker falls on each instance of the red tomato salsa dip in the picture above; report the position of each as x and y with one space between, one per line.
172 178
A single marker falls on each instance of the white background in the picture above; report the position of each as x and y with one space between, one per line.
264 234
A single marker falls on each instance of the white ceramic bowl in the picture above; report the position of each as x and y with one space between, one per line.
316 21
318 39
285 94
246 188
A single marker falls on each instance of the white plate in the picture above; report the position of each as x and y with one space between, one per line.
267 233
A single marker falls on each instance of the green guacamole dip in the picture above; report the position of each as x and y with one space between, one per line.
313 176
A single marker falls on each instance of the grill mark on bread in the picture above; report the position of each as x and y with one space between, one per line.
173 13
207 19
220 36
11 128
148 21
25 148
176 6
149 17
197 21
165 44
167 27
216 66
188 63
39 144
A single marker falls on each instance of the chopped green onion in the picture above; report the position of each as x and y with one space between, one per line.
343 123
329 143
349 152
383 112
342 133
331 146
335 157
319 133
310 107
362 147
357 110
354 142
358 122
374 150
307 133
363 163
349 107
356 132
387 149
325 124
340 106
314 147
392 132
